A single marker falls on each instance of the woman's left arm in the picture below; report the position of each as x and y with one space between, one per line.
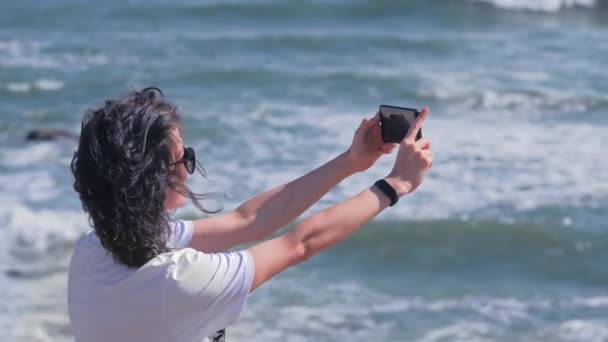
265 213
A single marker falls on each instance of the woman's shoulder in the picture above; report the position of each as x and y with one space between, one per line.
188 264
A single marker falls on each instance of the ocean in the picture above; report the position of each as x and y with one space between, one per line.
506 240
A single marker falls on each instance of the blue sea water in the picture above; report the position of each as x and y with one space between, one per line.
507 238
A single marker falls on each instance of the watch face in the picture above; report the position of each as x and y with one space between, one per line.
396 121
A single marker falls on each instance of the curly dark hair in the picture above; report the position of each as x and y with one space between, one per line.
122 171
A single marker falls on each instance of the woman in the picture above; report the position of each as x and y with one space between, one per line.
138 276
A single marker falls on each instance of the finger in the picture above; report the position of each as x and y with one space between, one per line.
362 125
423 144
389 145
388 149
428 157
413 131
370 123
375 119
366 122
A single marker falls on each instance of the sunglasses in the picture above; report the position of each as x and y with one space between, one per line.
189 160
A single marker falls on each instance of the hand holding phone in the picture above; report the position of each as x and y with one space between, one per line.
396 121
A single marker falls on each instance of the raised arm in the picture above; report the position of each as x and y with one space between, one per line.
332 225
273 209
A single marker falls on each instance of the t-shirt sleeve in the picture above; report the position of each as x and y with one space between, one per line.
205 292
180 234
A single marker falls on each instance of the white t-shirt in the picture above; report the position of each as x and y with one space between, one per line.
183 295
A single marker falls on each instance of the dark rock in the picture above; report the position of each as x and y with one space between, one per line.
45 134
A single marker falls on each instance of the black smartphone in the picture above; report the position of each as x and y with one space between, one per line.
396 121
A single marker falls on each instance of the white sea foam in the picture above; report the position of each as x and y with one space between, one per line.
588 330
351 311
40 84
48 84
16 47
34 54
460 331
39 309
592 302
30 154
18 87
329 314
503 310
532 93
480 163
34 242
42 327
519 164
28 230
24 226
31 186
540 5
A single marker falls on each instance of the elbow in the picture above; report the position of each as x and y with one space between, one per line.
250 232
303 251
305 239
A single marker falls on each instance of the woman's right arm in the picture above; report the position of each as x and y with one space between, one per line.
334 224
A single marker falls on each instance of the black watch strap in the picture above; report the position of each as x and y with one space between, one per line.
388 190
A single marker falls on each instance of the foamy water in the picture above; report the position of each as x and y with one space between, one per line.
540 5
